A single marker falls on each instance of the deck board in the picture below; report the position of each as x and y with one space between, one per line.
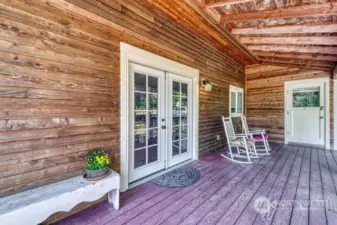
226 193
269 189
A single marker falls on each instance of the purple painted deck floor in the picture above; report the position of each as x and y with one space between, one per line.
229 193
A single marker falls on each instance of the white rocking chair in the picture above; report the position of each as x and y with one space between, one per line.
258 135
245 147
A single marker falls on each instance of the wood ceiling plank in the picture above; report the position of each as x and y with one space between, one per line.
220 3
328 69
290 29
300 61
294 48
280 13
318 57
290 40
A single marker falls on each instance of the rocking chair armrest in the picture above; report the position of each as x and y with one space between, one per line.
257 131
240 135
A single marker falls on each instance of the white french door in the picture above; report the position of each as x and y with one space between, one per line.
160 111
179 112
306 107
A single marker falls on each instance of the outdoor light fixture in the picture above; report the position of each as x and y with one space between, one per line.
207 85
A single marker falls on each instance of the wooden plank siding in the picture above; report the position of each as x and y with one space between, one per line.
265 96
59 82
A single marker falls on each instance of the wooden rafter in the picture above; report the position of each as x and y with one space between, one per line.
291 29
280 63
219 3
319 57
301 62
290 40
290 12
294 48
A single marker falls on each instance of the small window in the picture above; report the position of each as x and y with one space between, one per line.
306 97
236 100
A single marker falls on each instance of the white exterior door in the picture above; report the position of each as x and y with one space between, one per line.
147 107
305 113
160 111
179 122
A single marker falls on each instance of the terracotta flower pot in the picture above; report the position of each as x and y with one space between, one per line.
96 173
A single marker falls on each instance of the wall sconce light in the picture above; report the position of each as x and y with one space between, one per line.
207 85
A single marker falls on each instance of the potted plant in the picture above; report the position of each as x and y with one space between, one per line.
97 164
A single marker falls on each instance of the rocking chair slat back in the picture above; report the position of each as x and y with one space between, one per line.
229 129
244 125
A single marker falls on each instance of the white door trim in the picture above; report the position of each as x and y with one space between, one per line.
326 81
129 54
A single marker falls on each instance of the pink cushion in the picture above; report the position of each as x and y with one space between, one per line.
260 137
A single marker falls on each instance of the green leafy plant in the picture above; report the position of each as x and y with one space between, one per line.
97 160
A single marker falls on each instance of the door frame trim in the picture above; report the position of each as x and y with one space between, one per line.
327 107
129 54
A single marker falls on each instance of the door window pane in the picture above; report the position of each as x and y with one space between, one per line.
183 132
140 138
140 101
153 154
140 120
176 88
153 137
153 102
140 158
183 146
184 90
153 84
306 97
140 82
175 133
153 119
175 148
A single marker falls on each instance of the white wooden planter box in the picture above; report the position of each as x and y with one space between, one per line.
35 206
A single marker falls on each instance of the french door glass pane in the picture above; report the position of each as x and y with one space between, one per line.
175 148
153 154
153 119
140 120
140 82
146 119
179 117
140 138
140 157
153 84
140 101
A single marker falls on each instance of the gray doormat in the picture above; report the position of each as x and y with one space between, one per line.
180 177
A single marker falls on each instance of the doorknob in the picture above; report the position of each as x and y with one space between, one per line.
163 127
321 108
321 117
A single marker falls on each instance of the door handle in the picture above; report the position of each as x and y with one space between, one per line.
163 127
321 117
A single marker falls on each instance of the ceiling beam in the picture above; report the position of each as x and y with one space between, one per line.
290 40
301 62
290 29
294 48
290 12
319 68
219 3
318 57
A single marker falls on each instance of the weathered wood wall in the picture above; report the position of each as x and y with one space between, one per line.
59 82
265 96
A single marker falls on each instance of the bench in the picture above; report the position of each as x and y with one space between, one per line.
35 206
